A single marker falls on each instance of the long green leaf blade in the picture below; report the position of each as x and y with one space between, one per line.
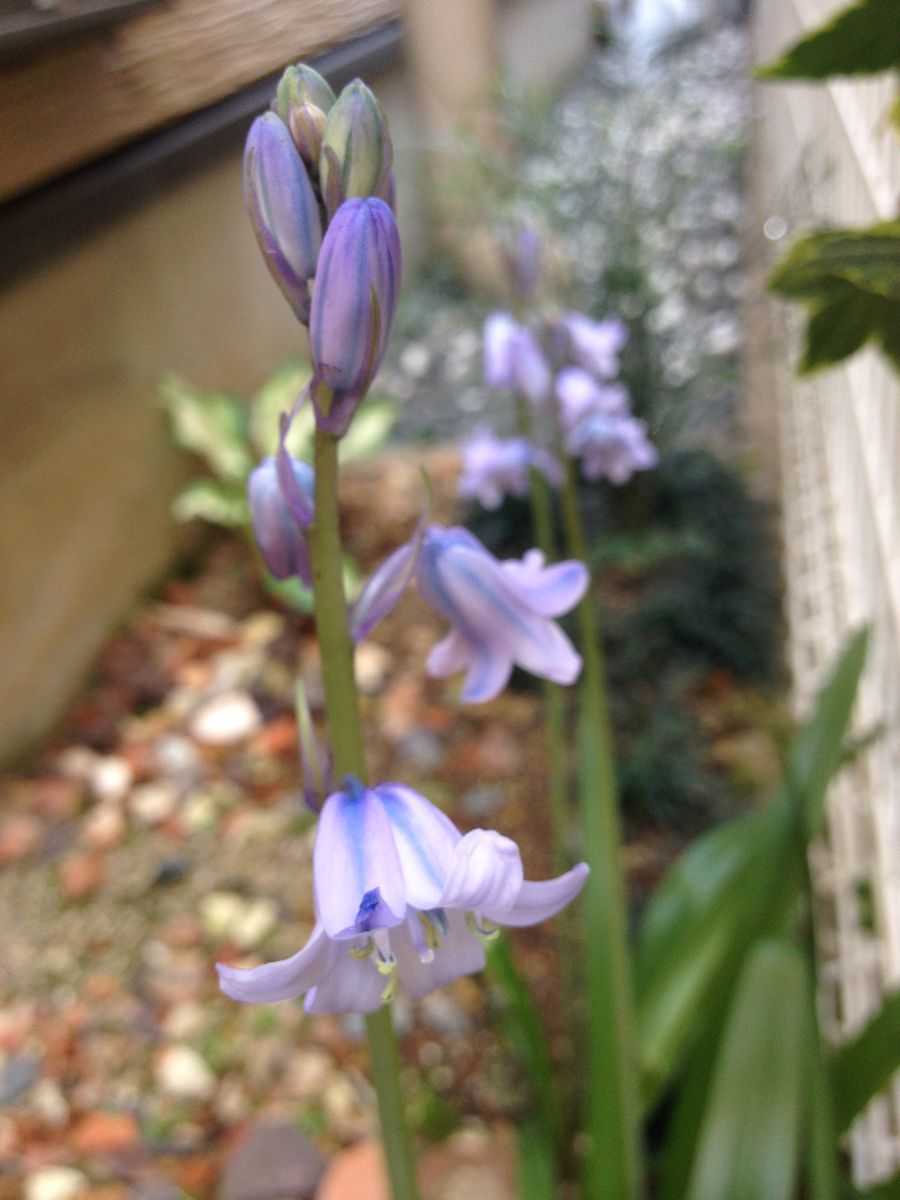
750 1141
864 1066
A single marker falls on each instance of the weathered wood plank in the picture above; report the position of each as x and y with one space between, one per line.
69 103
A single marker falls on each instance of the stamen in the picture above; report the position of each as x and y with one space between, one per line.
486 935
363 951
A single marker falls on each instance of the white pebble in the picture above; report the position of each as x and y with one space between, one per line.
227 718
183 1074
55 1183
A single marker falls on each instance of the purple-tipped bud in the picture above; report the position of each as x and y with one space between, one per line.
283 209
357 154
278 533
520 250
303 101
353 306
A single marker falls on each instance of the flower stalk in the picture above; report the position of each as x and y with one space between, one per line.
345 726
613 1161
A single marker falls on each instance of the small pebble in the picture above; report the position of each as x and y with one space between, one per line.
55 1183
228 718
81 873
183 1074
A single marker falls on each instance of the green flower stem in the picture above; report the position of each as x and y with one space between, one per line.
346 731
554 695
613 1161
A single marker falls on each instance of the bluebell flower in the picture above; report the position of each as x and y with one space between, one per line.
595 345
400 896
354 301
611 447
513 359
279 516
580 395
500 612
496 467
283 209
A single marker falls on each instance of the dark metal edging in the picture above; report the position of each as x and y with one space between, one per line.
43 223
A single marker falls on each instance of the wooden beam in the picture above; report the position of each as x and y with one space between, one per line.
70 103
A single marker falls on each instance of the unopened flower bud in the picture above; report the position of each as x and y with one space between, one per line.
303 101
357 154
283 209
279 534
353 306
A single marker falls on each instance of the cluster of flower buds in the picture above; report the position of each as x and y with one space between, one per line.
319 186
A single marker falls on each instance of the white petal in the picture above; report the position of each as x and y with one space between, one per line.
354 854
285 980
425 839
538 901
451 654
353 985
549 591
485 873
460 953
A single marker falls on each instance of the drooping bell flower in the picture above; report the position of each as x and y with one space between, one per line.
497 467
611 447
513 359
303 100
278 521
353 306
283 209
580 395
500 612
400 896
357 155
595 345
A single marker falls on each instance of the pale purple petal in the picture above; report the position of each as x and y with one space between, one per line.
580 395
538 901
285 980
500 335
353 306
532 373
460 953
357 878
485 873
596 344
283 209
551 590
353 985
280 537
425 839
298 488
386 586
465 583
448 656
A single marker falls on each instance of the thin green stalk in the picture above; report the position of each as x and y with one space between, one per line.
613 1163
554 696
346 732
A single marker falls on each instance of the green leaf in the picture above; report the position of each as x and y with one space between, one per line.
850 282
749 1143
861 39
369 428
889 1190
211 501
734 884
276 396
211 425
818 749
537 1169
865 1065
525 1034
